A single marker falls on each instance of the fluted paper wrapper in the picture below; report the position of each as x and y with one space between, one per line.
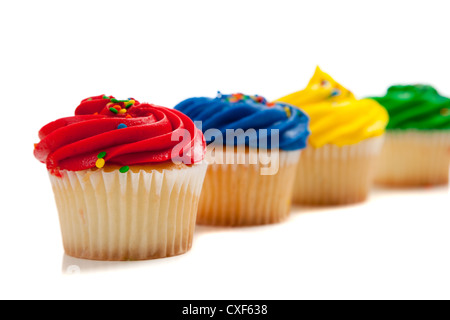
128 216
332 175
412 158
244 195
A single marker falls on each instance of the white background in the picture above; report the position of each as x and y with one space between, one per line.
55 53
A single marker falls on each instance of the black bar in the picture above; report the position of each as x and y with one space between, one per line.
233 309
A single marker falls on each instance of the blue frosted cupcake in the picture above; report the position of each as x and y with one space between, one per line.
253 150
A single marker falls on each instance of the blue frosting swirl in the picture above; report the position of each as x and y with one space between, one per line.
238 111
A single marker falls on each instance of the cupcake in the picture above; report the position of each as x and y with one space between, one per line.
337 167
253 150
417 147
122 193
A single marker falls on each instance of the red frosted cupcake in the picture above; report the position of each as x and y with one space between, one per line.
127 179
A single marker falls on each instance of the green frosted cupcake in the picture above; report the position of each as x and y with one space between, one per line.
417 147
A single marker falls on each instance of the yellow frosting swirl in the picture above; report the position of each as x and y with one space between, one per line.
336 116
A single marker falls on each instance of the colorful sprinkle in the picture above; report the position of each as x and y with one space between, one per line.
101 155
288 111
124 169
100 163
122 111
90 99
128 105
259 99
335 92
105 97
128 116
238 97
114 100
113 110
122 126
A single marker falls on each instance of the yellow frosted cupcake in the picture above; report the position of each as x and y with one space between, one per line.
346 137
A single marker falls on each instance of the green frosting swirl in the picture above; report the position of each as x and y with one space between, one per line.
416 107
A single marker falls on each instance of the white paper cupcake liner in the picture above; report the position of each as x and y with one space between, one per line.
128 216
413 158
333 175
243 192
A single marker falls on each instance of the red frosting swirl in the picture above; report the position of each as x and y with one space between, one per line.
129 132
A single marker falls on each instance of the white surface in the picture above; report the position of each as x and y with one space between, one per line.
395 246
55 53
